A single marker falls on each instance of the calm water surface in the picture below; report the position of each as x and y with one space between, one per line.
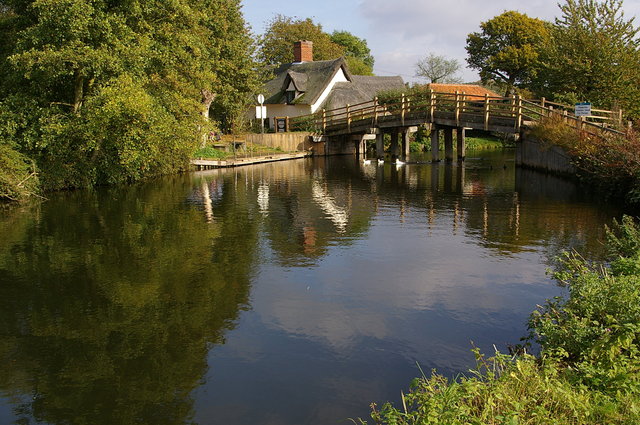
287 293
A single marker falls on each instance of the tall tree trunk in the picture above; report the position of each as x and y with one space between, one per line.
207 99
78 92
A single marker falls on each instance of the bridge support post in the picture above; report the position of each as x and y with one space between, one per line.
394 145
380 145
448 144
360 146
405 144
461 144
435 144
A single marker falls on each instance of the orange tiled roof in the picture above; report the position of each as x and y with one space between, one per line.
468 89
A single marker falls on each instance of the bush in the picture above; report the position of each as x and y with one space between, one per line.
588 370
608 161
18 176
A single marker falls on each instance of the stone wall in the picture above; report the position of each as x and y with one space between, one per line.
535 154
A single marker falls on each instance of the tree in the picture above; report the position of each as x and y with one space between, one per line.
103 92
438 69
276 46
356 51
507 48
593 56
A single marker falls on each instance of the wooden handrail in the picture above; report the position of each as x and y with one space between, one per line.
457 104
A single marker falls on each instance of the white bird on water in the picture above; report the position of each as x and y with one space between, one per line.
366 161
399 163
380 161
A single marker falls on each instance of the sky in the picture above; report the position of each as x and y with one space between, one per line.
401 32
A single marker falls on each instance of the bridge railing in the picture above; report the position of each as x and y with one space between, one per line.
458 107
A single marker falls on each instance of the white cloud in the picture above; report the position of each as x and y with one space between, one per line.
401 32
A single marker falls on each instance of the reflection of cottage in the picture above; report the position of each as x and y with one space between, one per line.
304 86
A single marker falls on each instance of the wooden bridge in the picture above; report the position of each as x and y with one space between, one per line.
445 112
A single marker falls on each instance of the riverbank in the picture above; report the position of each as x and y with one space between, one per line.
608 162
588 370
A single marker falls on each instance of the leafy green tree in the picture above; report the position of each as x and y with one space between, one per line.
103 92
356 51
593 56
507 48
438 69
276 45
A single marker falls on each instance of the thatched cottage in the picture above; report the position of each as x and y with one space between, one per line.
306 86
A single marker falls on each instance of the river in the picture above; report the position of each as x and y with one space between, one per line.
287 293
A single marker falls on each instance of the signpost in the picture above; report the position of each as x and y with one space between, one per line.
261 112
583 109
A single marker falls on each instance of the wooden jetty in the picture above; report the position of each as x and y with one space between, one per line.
205 164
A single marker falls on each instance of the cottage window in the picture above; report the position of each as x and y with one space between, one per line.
290 96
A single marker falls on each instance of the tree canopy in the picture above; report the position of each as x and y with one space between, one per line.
438 69
356 52
101 92
593 56
507 48
276 45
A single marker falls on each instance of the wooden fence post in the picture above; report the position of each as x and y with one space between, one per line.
519 113
620 117
486 112
402 113
324 120
432 105
348 118
457 108
375 110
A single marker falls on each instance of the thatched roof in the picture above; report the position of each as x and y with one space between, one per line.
308 77
311 78
361 89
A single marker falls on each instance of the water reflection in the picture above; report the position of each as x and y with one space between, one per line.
110 302
284 293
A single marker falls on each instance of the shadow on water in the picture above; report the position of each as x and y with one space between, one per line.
284 293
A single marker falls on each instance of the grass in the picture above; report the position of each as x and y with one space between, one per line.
486 142
209 152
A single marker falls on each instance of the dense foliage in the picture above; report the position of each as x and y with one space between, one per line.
592 56
607 161
276 45
590 53
356 52
588 370
507 48
97 92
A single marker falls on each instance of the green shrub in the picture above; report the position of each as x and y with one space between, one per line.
588 370
18 176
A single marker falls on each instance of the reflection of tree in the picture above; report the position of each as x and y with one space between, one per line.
110 301
503 209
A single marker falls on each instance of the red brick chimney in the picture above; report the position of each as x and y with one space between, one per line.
303 51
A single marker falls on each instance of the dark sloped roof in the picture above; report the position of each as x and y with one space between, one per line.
361 89
308 77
